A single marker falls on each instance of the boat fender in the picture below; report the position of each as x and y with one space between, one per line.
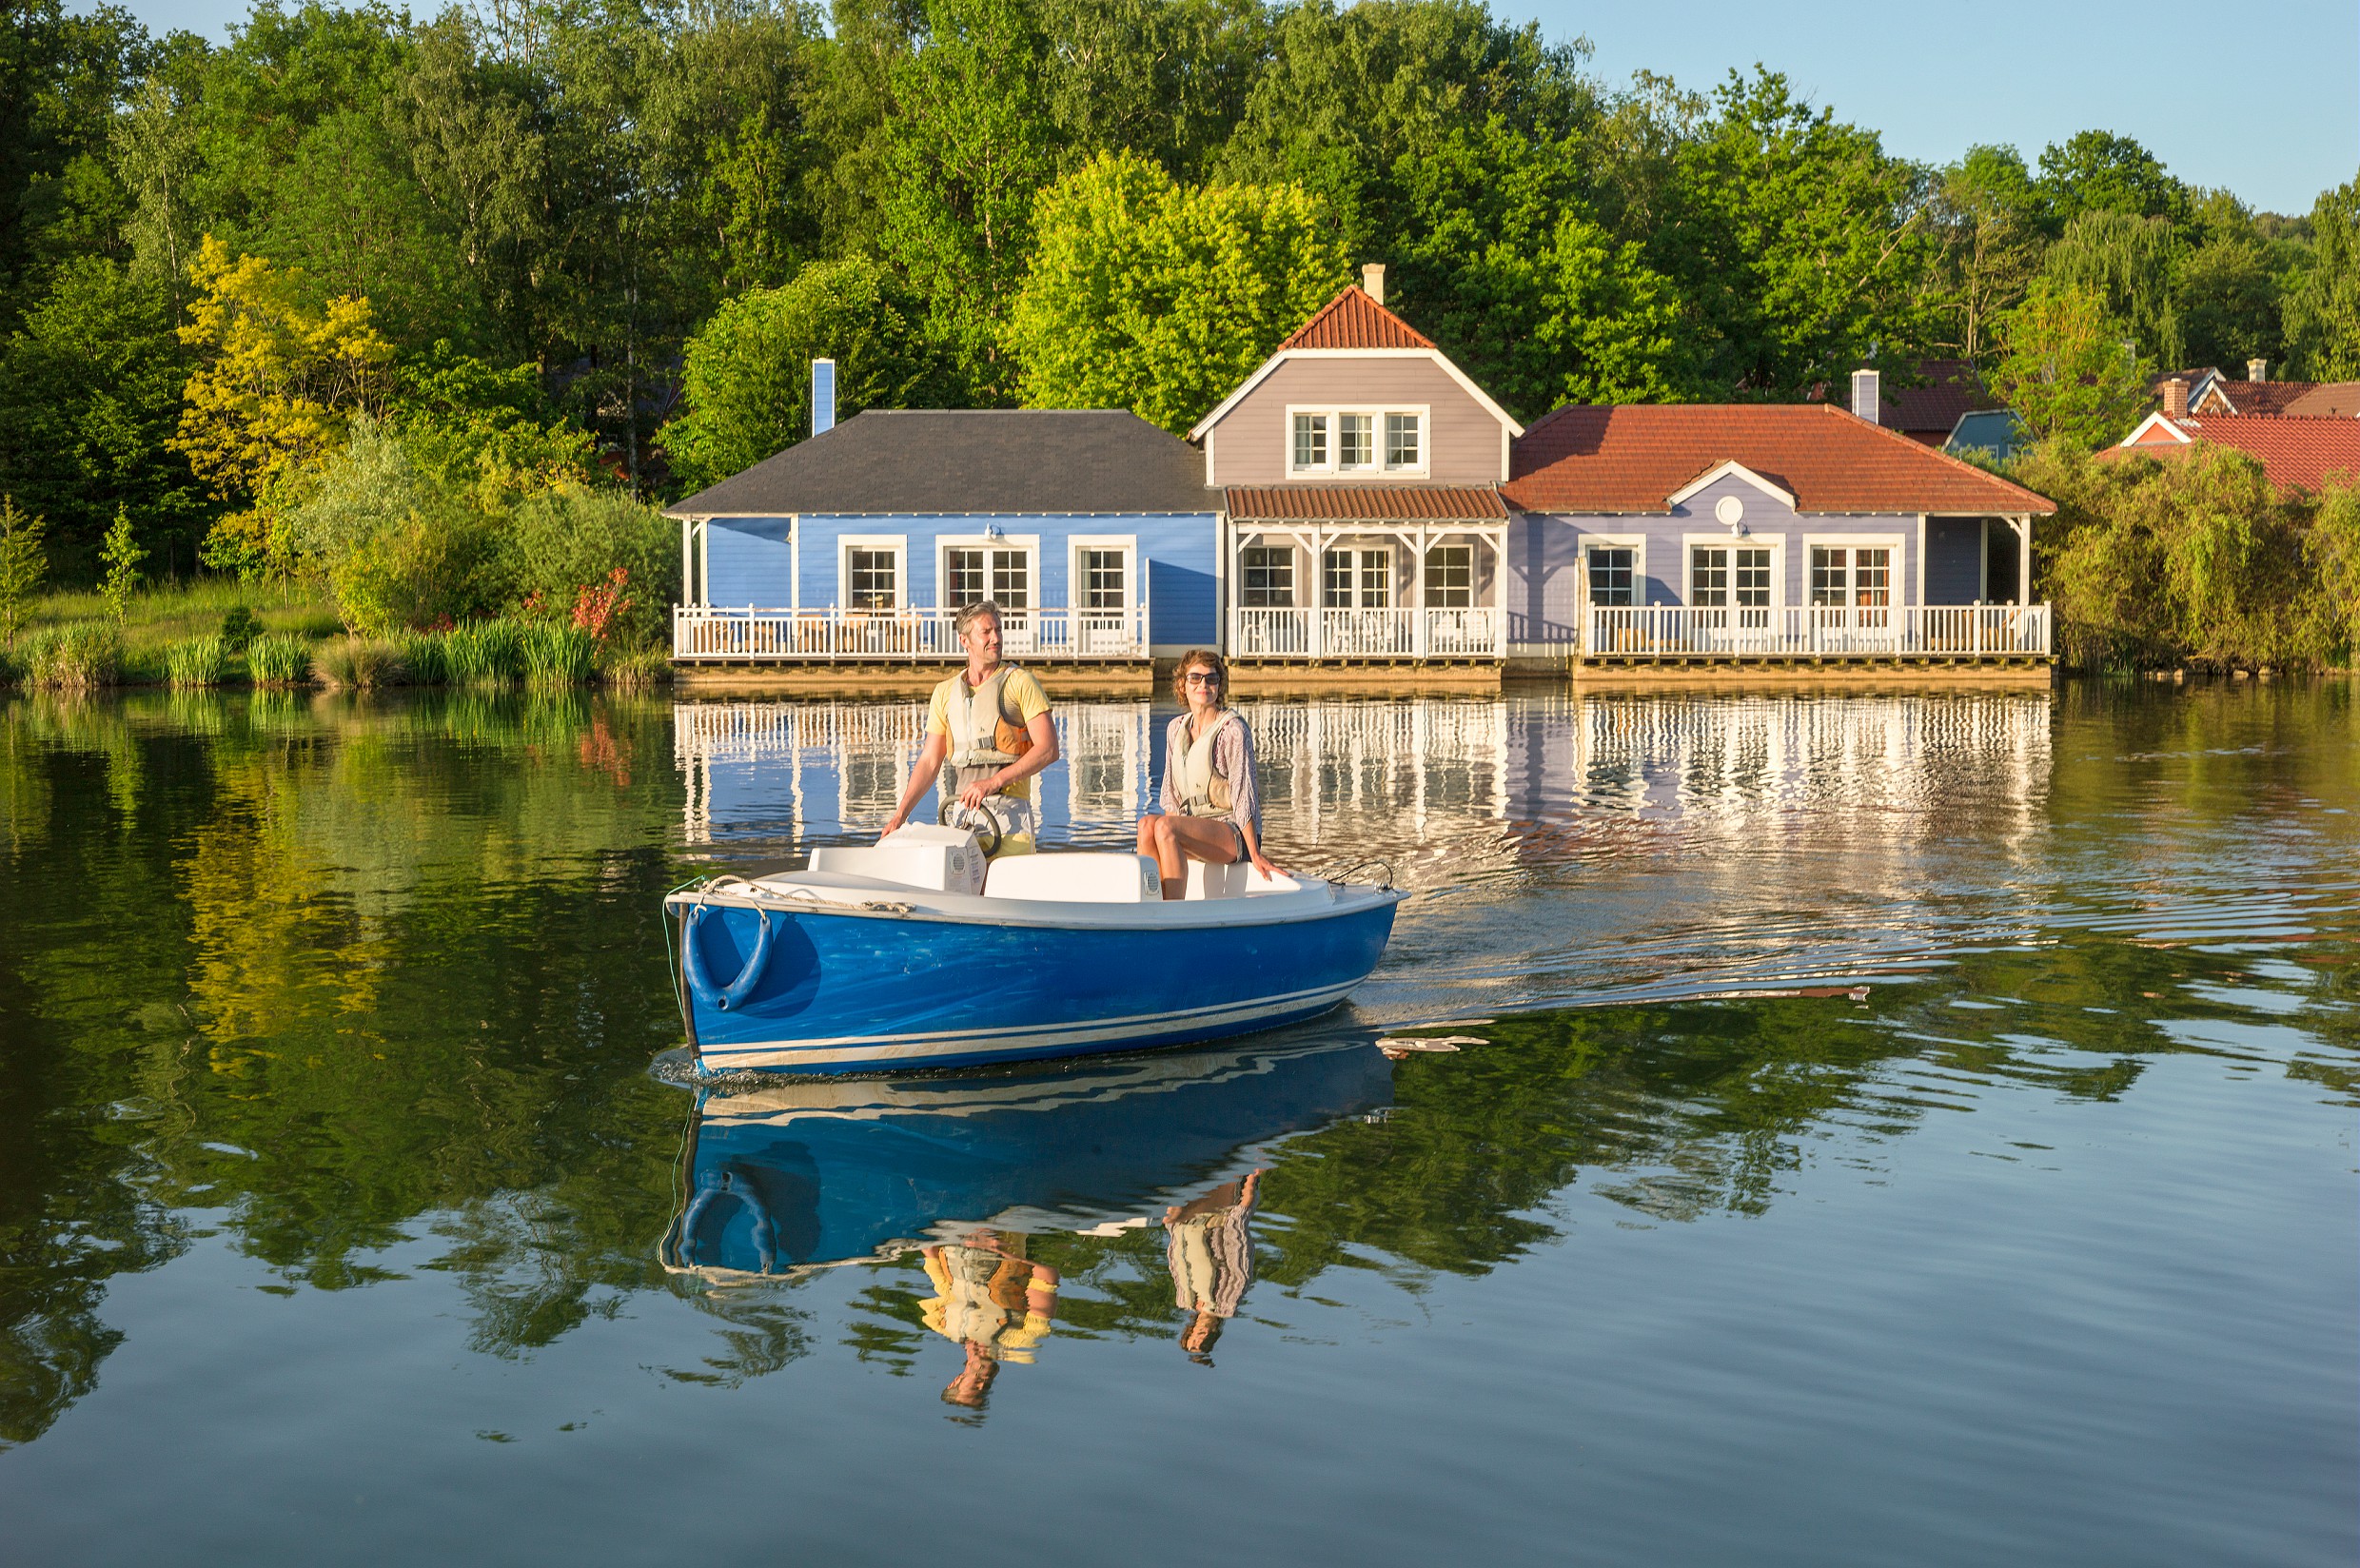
726 997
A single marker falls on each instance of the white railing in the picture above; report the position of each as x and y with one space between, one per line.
1264 633
706 632
1935 631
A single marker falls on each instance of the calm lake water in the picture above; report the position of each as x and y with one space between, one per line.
1882 1130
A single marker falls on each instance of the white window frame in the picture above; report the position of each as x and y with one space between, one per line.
1901 575
944 543
1295 574
1690 544
1376 412
897 544
1634 543
1135 584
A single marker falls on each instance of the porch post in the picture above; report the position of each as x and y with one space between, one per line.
1318 595
2024 560
1418 639
688 561
1499 590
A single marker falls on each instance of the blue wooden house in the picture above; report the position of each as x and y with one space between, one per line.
1093 530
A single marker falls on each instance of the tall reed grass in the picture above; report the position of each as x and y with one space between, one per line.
279 660
75 657
558 654
359 663
197 661
484 652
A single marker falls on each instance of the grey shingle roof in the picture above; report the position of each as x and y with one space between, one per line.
970 461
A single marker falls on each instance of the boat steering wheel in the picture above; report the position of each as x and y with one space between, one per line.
978 820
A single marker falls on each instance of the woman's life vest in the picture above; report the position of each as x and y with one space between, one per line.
987 732
1204 792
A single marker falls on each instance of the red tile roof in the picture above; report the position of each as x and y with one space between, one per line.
2294 453
1368 503
1631 459
1352 320
1951 388
2299 399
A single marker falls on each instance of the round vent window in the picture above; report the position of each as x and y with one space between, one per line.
1730 510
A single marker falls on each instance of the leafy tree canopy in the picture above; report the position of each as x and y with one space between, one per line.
1160 298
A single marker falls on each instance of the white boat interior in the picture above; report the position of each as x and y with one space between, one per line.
942 871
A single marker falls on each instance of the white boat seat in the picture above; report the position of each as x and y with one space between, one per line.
1206 880
1075 876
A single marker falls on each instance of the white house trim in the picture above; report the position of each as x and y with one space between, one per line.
1726 470
2152 421
1897 584
1377 470
1203 426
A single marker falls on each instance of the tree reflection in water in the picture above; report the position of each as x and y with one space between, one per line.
368 987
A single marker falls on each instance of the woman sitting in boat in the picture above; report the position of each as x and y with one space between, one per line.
1211 811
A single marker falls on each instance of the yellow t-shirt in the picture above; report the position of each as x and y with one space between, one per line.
1020 691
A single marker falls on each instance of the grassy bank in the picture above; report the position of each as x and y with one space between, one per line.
222 633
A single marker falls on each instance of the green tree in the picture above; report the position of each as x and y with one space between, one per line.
1987 217
89 395
122 553
2098 171
2321 313
1800 243
747 377
2063 369
2129 264
24 563
1348 91
967 149
1160 298
1496 256
561 540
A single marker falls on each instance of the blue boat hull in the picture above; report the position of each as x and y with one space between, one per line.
837 992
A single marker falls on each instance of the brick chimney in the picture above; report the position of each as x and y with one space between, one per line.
2175 397
1866 398
1372 281
2257 370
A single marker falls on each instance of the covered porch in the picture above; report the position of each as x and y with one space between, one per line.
1367 573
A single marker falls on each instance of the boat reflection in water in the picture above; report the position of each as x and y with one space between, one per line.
967 1168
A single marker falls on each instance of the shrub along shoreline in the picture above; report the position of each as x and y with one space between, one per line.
96 655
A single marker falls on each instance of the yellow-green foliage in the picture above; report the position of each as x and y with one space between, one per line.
74 658
2195 559
359 663
279 660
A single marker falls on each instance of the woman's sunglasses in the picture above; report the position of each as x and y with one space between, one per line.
1203 678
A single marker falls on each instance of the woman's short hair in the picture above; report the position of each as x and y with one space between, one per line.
1189 660
970 614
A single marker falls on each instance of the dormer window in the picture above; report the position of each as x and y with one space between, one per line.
1356 441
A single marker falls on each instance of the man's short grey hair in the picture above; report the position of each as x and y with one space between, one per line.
974 612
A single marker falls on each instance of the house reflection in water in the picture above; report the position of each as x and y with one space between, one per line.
1449 788
967 1170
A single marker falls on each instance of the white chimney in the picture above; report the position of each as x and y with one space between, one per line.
1372 281
2257 370
1865 397
823 396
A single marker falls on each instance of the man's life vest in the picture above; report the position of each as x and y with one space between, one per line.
1204 792
986 729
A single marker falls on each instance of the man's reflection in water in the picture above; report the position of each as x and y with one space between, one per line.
1210 1251
994 1302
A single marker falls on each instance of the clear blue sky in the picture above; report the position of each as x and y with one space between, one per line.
2264 99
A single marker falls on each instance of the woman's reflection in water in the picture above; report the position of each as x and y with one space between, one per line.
1210 1251
994 1302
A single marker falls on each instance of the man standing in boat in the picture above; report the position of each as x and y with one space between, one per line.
989 726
